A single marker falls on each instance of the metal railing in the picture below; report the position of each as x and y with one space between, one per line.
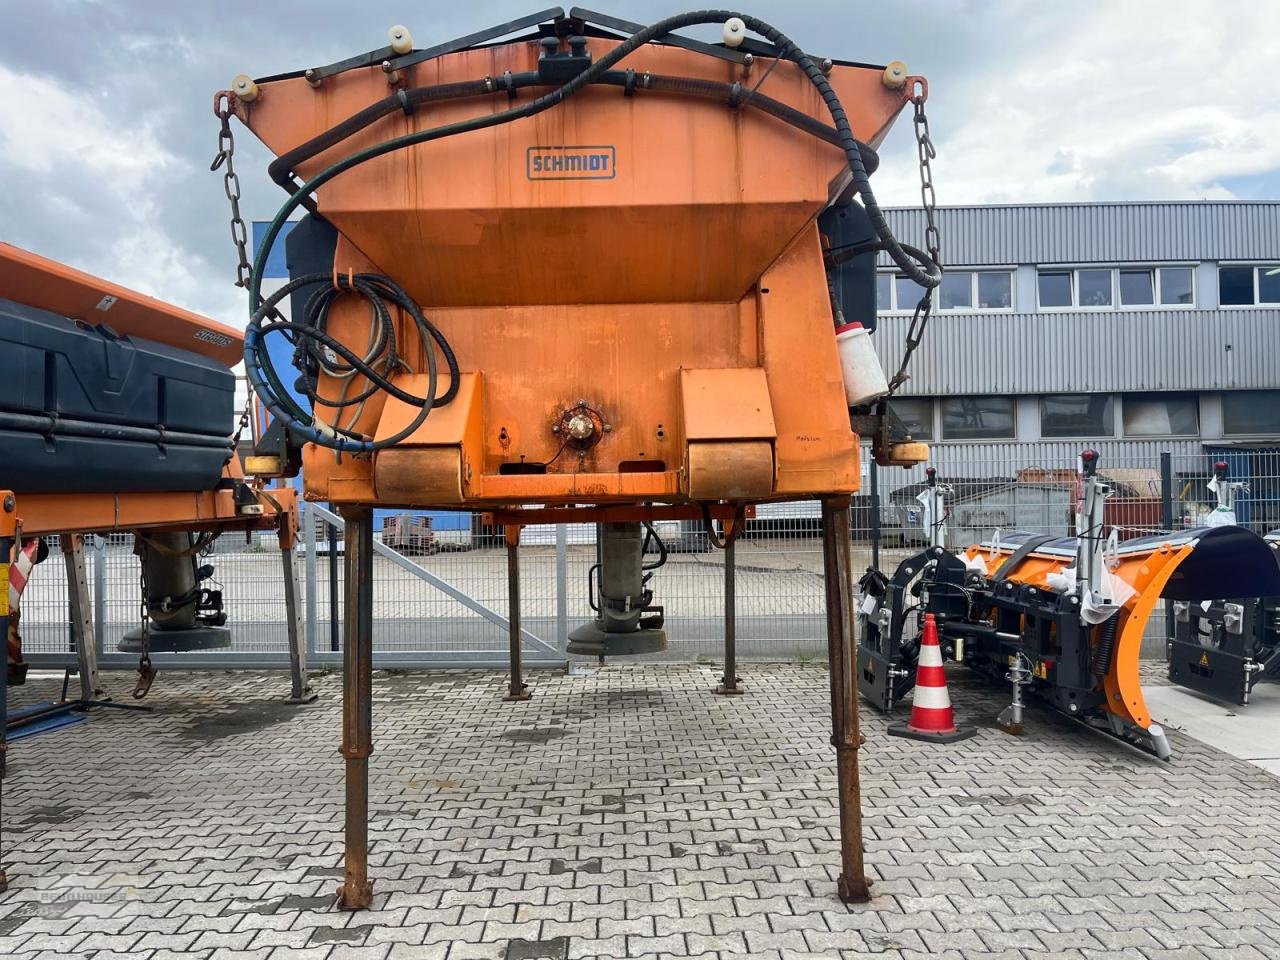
450 607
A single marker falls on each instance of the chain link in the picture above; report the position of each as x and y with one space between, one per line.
932 236
225 157
146 672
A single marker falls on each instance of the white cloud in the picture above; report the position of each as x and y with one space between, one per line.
1107 102
46 128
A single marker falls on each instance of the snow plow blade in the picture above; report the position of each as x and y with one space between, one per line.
1195 566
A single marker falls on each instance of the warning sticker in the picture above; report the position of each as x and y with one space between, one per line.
1204 659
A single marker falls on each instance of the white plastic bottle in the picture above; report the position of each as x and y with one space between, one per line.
864 380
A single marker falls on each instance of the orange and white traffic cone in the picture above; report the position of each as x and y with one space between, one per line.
932 718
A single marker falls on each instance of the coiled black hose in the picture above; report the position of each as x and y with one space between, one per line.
312 339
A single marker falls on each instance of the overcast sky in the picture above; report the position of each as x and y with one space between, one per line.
106 129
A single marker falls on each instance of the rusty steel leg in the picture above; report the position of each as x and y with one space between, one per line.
729 686
356 892
837 564
517 690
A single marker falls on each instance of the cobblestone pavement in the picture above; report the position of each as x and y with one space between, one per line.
625 814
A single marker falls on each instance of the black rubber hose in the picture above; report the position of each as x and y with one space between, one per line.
377 290
281 170
50 426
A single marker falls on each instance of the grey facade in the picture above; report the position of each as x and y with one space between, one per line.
1113 364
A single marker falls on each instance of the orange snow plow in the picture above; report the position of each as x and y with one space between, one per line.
1062 618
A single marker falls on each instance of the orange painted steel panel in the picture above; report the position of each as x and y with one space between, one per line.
731 404
702 199
698 253
39 282
48 513
817 451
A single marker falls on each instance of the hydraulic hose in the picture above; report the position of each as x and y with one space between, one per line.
281 169
312 338
923 270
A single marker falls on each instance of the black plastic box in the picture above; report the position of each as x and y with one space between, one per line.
84 410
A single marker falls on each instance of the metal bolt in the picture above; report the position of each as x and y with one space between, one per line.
9 504
608 428
826 65
580 427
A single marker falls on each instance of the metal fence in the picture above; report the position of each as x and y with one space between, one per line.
447 606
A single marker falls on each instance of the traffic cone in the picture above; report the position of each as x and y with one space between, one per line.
932 718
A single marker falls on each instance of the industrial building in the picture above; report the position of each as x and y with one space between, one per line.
1133 328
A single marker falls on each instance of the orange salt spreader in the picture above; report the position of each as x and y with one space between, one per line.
599 269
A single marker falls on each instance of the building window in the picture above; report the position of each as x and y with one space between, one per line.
995 290
1096 288
1137 288
916 414
906 293
1161 415
961 290
957 291
1177 286
1269 284
977 418
1081 415
1247 286
1247 413
1055 289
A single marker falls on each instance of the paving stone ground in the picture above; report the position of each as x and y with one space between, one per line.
629 813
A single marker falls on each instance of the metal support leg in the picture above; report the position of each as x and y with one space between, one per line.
518 689
300 691
356 892
729 682
846 737
81 614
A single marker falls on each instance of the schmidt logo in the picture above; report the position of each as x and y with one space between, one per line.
571 163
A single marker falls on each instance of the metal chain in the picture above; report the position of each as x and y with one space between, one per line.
231 186
244 420
932 237
146 672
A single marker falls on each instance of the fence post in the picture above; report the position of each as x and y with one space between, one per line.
309 539
333 584
99 594
562 588
874 475
1166 521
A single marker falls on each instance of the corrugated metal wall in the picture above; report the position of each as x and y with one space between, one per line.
1089 351
1101 233
1005 459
